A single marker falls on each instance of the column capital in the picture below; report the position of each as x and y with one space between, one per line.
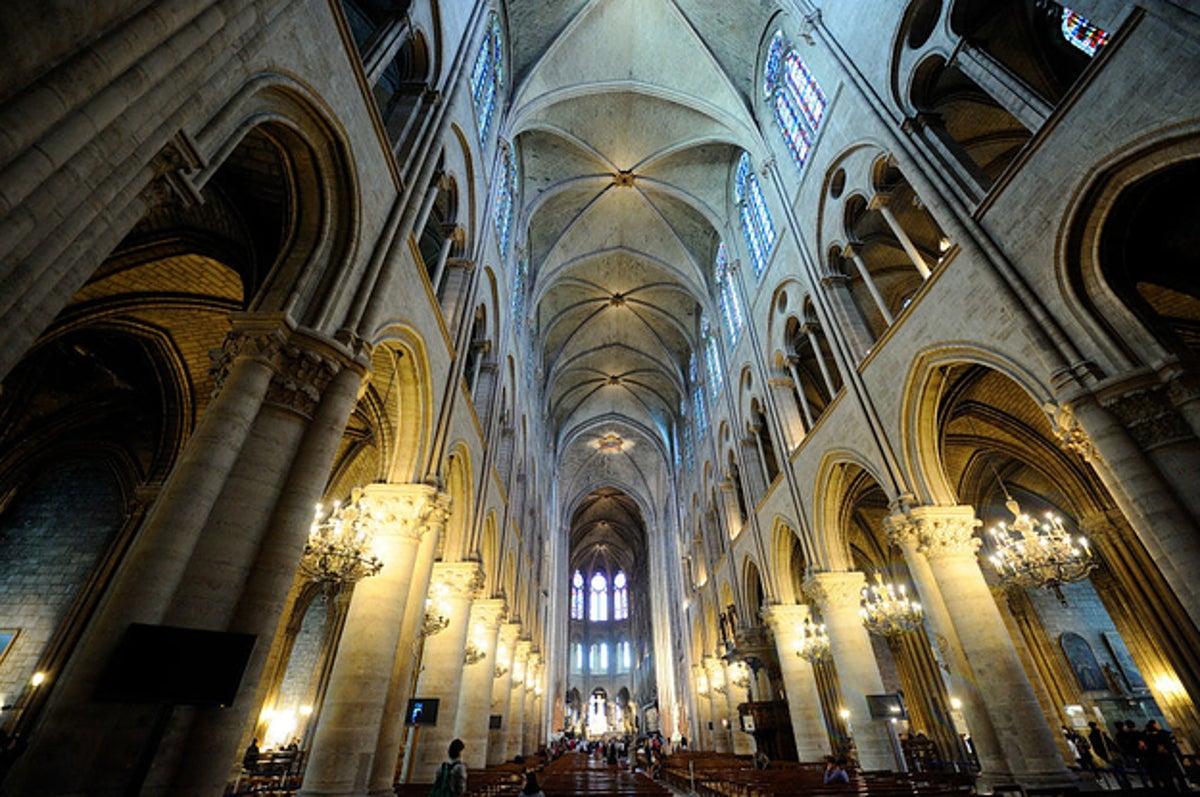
781 383
834 591
488 613
938 531
1148 414
1068 431
785 618
406 511
457 579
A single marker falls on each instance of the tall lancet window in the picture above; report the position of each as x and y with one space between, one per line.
598 603
756 219
620 597
731 303
577 596
486 77
797 100
506 200
712 359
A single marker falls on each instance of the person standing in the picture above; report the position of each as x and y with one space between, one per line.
452 775
1133 747
1104 746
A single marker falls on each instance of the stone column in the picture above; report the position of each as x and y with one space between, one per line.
810 332
384 774
502 685
838 596
533 674
347 734
516 703
701 739
743 743
789 415
808 416
946 538
803 697
881 203
1003 86
455 585
854 252
479 660
964 682
852 325
719 703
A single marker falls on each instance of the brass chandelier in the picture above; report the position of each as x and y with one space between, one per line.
886 610
1031 554
814 643
338 550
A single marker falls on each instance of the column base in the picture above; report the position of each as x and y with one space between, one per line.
991 782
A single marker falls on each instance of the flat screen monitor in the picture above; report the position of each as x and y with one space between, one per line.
182 666
494 721
421 711
886 707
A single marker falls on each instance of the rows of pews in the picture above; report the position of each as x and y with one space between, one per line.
723 775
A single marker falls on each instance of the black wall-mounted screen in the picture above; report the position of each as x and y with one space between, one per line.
421 711
183 666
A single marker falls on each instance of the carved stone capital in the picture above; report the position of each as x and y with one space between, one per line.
1067 430
785 619
173 168
944 531
522 651
457 579
488 614
1149 416
1183 388
834 591
406 511
781 383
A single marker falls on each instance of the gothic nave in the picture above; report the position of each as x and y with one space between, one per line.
804 377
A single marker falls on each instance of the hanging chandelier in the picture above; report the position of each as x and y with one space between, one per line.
739 675
814 643
338 547
1031 554
886 610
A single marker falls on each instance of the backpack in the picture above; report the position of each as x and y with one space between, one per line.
441 784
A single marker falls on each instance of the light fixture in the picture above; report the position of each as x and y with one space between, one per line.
38 678
338 547
499 671
886 610
702 684
472 654
814 643
434 624
1030 554
739 675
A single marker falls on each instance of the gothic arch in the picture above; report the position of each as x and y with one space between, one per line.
832 484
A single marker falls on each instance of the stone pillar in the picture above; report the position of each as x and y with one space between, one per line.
702 739
743 743
854 252
946 538
881 203
502 679
838 596
347 734
455 585
384 774
810 332
851 324
803 697
1003 86
729 502
719 703
533 674
1154 507
789 416
963 679
479 660
516 702
808 416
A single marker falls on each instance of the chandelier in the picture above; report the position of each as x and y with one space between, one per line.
739 675
433 624
1029 554
886 610
814 643
338 547
473 654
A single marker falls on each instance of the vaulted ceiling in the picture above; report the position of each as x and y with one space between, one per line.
627 116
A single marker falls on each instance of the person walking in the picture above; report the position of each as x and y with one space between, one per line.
451 778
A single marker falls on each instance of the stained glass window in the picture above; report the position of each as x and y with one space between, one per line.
506 200
712 359
577 596
598 604
577 656
685 437
798 101
757 225
520 277
486 76
1081 33
731 303
620 597
779 45
698 407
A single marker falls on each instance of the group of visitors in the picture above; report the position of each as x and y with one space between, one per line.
1151 754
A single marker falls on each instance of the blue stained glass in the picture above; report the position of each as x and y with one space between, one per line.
620 597
757 225
1082 34
486 76
799 104
700 409
712 359
731 305
506 200
577 597
779 45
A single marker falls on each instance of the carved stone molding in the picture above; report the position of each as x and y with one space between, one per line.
1183 388
457 579
1149 416
833 591
1067 430
300 378
173 168
785 618
938 531
488 614
406 511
